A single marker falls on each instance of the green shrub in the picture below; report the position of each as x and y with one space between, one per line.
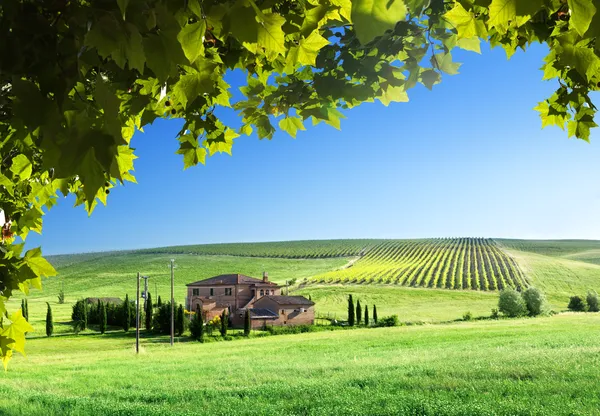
79 316
577 304
388 321
511 303
495 314
535 301
161 321
467 316
592 301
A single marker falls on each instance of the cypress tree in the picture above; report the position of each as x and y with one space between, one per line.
224 323
27 309
366 315
358 312
309 297
374 313
247 325
102 313
200 322
158 302
23 310
49 323
126 314
350 311
179 323
148 312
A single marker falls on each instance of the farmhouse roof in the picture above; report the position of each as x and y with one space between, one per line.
231 279
258 313
291 300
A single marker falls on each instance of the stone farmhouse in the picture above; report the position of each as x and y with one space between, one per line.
237 293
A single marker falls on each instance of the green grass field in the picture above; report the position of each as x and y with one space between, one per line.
541 366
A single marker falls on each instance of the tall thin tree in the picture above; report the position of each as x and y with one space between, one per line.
148 312
375 313
366 315
158 302
350 311
179 321
224 323
247 324
102 317
23 310
200 319
126 314
358 312
49 323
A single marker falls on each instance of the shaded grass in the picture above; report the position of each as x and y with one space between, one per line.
545 366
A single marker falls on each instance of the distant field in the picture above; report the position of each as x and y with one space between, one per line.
538 367
582 250
306 249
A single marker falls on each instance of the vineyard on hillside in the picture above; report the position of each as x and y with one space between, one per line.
307 249
459 263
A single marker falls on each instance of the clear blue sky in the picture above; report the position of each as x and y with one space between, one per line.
466 159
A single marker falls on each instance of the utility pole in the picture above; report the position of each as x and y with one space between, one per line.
172 301
137 316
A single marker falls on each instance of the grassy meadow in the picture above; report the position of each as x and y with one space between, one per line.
532 366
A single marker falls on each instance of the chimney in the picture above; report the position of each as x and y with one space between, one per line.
265 277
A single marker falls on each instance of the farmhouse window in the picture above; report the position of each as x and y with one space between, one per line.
227 291
262 292
212 291
195 292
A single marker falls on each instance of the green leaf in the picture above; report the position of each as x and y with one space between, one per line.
191 38
291 125
582 58
194 84
123 6
92 177
373 18
163 54
443 62
470 44
307 50
192 152
394 94
39 265
21 167
463 21
106 35
503 13
16 331
582 12
271 36
430 77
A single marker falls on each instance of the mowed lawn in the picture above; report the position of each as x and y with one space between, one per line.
541 366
